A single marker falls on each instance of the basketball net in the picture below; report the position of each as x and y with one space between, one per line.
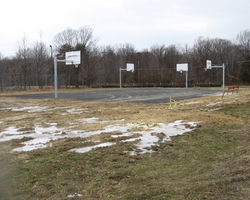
76 65
181 71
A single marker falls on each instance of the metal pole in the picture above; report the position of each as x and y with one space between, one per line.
120 78
223 74
51 57
186 79
223 78
55 75
51 54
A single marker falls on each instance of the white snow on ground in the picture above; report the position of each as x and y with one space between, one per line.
74 111
42 136
190 103
208 105
142 135
31 108
214 103
146 140
74 195
211 110
86 149
89 120
10 130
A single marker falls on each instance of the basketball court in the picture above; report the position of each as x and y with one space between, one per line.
131 95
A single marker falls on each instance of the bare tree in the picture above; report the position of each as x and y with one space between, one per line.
143 65
126 54
157 63
243 39
83 40
12 73
65 40
107 71
23 57
86 43
40 61
172 56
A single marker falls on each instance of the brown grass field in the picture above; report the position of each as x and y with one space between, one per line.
210 162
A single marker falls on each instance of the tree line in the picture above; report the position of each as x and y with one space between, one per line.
33 64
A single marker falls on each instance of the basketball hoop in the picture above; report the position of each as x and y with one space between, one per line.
131 70
76 65
205 68
181 71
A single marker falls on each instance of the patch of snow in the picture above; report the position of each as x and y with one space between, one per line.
190 103
10 131
147 138
131 140
29 146
75 111
30 108
89 120
52 129
122 135
214 103
87 149
58 108
74 195
211 110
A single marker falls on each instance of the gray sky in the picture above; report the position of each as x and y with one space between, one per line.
142 23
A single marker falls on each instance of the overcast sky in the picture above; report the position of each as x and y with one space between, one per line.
142 23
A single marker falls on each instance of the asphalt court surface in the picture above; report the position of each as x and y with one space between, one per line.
134 95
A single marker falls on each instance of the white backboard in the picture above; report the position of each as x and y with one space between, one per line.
130 67
209 64
182 67
73 58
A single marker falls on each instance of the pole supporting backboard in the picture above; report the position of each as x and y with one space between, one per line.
121 77
55 76
71 58
209 66
183 67
129 68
